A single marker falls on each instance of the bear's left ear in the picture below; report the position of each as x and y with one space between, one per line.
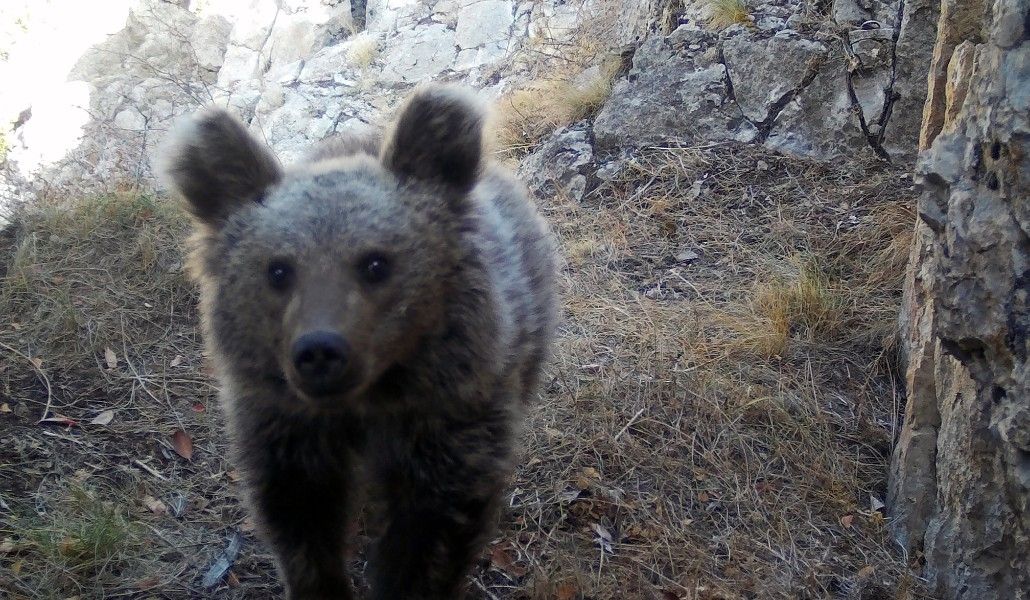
438 138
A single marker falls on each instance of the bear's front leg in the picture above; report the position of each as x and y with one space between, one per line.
298 488
442 504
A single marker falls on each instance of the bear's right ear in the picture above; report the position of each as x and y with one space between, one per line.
216 165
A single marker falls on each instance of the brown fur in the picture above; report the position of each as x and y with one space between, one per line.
442 355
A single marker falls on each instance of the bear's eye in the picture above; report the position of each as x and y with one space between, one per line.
374 268
280 274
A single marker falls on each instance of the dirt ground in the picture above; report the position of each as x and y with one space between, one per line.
716 424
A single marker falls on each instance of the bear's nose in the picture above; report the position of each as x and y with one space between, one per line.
320 358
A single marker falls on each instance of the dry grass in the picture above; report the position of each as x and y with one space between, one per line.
364 49
724 13
533 111
674 453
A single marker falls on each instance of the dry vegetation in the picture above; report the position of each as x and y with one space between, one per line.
724 13
717 420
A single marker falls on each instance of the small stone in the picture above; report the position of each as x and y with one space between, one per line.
762 166
685 256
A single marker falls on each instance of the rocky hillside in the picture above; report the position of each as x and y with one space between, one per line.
813 79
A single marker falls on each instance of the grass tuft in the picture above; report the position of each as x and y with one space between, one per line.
535 110
724 13
364 49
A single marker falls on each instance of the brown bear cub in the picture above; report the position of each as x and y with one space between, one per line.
374 315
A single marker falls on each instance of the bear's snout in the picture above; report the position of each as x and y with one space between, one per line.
322 361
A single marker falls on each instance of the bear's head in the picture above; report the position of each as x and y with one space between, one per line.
324 276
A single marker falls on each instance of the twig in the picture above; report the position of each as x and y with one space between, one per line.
480 585
38 369
149 469
628 424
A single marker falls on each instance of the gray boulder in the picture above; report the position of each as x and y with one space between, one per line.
563 163
671 97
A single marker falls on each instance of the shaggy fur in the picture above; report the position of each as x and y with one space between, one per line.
442 353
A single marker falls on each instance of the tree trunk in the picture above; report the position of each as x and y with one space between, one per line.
960 479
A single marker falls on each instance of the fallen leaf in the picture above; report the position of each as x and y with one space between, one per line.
7 546
232 580
60 419
16 567
703 497
147 583
234 475
501 558
16 326
5 408
154 505
103 418
68 547
847 520
198 407
566 591
176 361
866 572
37 362
110 358
247 525
182 444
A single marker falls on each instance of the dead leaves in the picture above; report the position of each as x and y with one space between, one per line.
104 418
566 591
502 558
111 359
154 505
59 419
182 443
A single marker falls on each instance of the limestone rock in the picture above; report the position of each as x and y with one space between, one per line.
916 35
872 77
209 40
563 163
420 54
483 22
963 19
819 121
767 73
677 99
959 485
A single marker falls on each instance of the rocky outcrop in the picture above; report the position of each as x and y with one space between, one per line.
808 91
562 164
911 56
960 478
300 70
673 93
